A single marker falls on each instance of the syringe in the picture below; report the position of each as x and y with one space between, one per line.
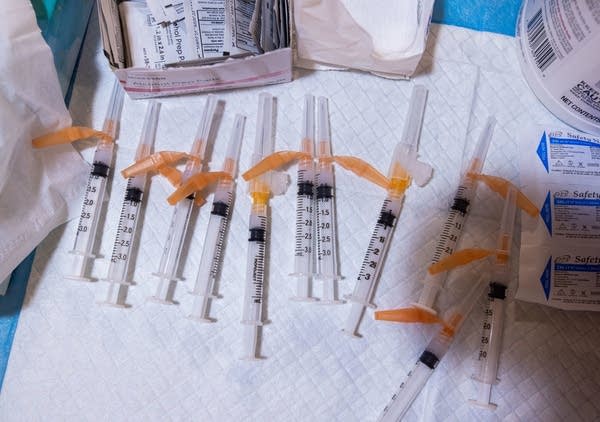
260 189
305 203
493 321
431 356
457 215
130 213
95 189
403 168
327 258
169 263
212 254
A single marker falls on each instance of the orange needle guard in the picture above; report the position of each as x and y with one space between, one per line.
411 315
362 169
466 256
273 162
155 162
502 186
458 259
195 184
68 135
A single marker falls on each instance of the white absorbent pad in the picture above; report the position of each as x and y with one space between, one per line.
73 359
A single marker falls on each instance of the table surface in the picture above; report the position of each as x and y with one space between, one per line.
65 40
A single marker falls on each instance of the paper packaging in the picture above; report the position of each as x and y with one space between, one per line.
387 37
388 41
166 10
39 190
560 250
150 79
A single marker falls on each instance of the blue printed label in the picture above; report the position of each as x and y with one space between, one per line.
542 151
578 202
565 141
577 267
573 213
546 214
570 156
546 277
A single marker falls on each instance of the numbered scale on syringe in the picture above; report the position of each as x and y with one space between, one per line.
215 238
408 391
92 203
380 239
453 225
446 244
327 259
253 304
127 224
489 348
252 316
212 253
304 221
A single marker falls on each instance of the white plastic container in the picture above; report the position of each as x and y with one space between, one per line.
560 46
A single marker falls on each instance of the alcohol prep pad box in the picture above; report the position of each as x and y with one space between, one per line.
154 59
560 250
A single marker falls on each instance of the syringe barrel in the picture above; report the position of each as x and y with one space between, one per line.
489 361
414 122
405 152
251 333
304 242
481 149
406 394
457 215
91 209
113 112
439 345
211 259
202 136
128 222
507 227
264 142
304 245
308 125
117 270
255 274
204 126
148 130
323 129
491 342
327 264
208 269
456 315
372 264
132 203
447 242
104 154
234 146
377 249
327 259
169 261
305 211
96 188
259 189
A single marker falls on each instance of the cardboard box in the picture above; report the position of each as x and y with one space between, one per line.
265 69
